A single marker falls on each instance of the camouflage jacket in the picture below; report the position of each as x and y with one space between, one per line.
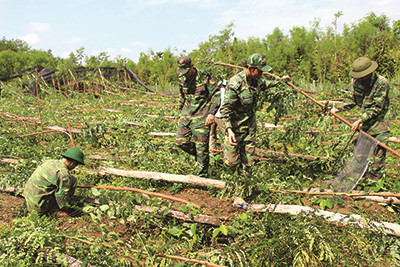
372 97
240 101
199 96
50 186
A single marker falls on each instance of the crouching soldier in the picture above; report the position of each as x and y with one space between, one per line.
51 186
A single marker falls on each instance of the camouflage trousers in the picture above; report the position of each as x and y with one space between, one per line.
240 157
217 124
377 167
197 129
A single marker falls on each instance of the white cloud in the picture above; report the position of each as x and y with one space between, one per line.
73 41
30 38
39 27
139 44
65 54
286 14
140 5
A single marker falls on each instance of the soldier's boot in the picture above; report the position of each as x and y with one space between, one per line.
189 148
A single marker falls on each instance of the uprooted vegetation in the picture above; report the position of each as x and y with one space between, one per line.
119 126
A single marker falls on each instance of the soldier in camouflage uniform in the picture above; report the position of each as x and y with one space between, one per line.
199 101
371 95
239 112
51 186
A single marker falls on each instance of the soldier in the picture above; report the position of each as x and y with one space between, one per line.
199 101
371 95
238 112
51 186
218 123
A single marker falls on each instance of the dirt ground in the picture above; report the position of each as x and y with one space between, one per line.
9 204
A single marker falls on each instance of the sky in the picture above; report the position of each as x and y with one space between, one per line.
128 27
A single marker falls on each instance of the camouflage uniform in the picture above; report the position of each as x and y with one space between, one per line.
372 97
49 188
239 113
199 97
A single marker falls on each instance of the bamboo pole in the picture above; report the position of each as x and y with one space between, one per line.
319 104
37 99
43 132
70 135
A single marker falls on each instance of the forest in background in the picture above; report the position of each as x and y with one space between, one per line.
123 128
306 53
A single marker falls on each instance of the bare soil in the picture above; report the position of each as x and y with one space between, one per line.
224 209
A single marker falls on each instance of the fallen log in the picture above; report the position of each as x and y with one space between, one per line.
282 154
353 219
380 197
200 218
192 179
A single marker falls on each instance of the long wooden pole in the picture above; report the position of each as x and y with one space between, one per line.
37 99
319 104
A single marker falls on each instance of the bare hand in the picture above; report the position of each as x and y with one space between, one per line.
333 111
210 119
231 137
356 124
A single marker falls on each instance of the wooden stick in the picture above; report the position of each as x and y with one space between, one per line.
70 136
43 132
37 98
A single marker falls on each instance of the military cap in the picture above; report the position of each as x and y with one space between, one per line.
258 61
184 64
362 67
74 153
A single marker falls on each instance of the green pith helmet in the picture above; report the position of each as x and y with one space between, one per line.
362 67
258 61
75 154
184 64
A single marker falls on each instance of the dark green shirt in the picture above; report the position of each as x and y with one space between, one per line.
372 98
199 96
240 101
49 187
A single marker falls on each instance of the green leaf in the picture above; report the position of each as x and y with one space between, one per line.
224 229
216 232
95 192
193 229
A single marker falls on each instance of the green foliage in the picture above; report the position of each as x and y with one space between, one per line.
115 125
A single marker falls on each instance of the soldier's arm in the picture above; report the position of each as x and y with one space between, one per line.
181 96
66 184
230 99
215 93
378 102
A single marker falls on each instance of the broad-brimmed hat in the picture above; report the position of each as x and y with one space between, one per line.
363 66
75 154
184 64
258 61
